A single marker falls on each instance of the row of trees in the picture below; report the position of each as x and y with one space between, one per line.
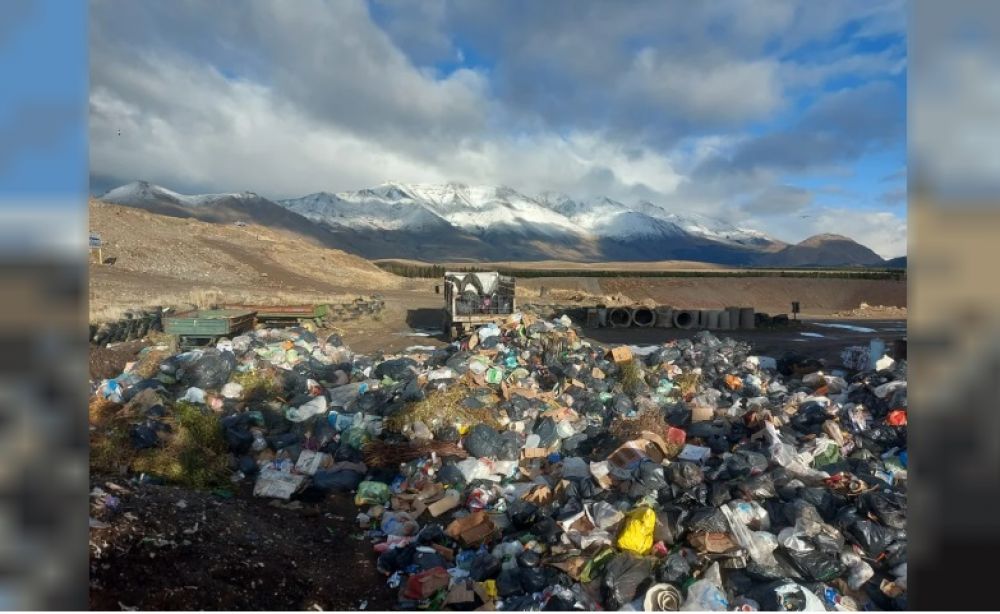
435 271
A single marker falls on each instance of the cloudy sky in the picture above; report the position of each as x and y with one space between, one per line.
788 117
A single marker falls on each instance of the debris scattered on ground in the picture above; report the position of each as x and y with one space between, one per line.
524 467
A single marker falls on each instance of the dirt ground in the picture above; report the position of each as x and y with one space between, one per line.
167 548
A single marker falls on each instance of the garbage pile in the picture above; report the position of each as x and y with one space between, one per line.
524 468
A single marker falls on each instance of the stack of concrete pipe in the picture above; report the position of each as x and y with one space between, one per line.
730 318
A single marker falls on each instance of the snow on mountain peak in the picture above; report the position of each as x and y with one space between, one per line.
477 209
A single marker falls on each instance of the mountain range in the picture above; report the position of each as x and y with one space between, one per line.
455 222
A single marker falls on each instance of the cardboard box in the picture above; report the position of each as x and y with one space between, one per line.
702 413
449 501
621 354
472 530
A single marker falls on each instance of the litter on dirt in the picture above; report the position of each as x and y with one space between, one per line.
524 467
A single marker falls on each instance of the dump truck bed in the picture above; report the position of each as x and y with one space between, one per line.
209 322
473 299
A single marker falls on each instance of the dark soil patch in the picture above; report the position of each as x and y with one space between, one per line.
107 362
174 549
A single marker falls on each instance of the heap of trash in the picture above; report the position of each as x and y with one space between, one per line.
525 468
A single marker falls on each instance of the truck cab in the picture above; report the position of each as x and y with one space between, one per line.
474 299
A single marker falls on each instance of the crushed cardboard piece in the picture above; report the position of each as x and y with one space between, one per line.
701 413
449 501
713 543
424 584
621 354
472 530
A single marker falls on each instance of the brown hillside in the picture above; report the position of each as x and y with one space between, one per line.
167 260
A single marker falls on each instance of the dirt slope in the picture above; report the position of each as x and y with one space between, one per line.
768 294
165 260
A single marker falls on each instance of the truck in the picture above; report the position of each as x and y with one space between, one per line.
474 299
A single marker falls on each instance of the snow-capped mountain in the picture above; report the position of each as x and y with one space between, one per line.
480 209
142 191
454 221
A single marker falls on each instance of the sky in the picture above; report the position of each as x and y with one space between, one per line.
787 117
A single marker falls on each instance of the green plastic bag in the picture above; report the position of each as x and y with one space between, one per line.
372 493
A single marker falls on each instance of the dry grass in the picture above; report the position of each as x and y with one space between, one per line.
686 384
632 377
630 428
626 429
441 409
194 455
99 411
107 310
149 364
381 454
259 384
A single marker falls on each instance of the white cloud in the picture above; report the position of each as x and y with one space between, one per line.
726 90
290 98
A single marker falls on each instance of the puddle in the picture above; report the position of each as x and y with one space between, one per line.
419 332
817 335
850 327
421 348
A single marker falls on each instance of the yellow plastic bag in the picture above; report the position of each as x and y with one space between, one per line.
637 531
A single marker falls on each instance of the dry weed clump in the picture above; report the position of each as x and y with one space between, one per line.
632 377
194 454
260 384
380 453
686 384
443 408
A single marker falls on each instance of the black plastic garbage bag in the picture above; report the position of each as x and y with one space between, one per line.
758 487
888 507
397 369
546 431
533 579
450 474
340 480
483 441
708 520
547 531
674 569
522 513
396 559
144 436
484 566
529 558
872 537
238 439
210 371
509 583
817 565
508 447
624 576
448 434
684 474
719 493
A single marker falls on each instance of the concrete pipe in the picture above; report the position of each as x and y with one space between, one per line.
619 317
734 318
664 317
685 318
710 319
602 317
746 318
643 317
724 320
